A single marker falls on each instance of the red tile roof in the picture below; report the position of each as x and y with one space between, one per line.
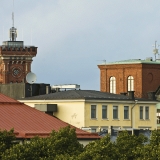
29 122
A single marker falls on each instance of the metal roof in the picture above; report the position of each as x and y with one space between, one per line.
29 122
77 94
80 94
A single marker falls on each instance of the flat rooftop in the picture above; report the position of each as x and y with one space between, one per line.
134 61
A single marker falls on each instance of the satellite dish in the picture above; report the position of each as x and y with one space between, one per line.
31 78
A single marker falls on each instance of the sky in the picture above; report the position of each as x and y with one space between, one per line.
74 36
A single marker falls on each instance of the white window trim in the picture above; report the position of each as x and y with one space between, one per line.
112 84
130 83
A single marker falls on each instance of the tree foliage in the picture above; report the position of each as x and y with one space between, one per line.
63 145
63 142
99 149
6 139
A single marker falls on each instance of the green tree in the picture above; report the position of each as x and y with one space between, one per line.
99 149
63 142
151 151
6 139
127 146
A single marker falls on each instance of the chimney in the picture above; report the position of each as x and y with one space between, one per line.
47 89
131 94
151 95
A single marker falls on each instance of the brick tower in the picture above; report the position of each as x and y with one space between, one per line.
141 76
15 59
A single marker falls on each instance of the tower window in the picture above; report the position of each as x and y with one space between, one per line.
112 85
130 83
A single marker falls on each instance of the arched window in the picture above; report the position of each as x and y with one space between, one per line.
130 83
112 85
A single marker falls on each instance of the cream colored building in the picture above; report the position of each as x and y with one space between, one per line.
95 110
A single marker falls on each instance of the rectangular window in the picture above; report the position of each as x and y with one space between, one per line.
126 112
93 111
146 112
115 112
104 112
141 112
158 116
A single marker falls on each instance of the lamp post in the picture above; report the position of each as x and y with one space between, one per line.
136 101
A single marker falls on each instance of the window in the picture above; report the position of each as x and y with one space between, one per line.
158 116
112 85
115 112
146 112
126 112
141 112
130 83
104 112
93 111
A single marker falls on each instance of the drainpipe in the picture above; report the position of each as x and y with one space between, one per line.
136 101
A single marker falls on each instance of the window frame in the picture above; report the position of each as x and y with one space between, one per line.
105 111
141 110
95 110
127 112
112 84
146 113
130 80
115 117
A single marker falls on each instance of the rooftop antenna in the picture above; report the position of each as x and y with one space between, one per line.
13 15
155 50
13 31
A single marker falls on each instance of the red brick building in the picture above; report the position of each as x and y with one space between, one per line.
15 59
141 76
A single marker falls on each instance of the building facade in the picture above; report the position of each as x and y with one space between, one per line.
141 76
96 110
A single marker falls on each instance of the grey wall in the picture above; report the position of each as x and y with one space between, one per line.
22 90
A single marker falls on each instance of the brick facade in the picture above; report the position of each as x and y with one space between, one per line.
15 63
146 77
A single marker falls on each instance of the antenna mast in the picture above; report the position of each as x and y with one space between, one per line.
13 31
155 50
13 15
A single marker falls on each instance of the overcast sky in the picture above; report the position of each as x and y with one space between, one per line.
74 36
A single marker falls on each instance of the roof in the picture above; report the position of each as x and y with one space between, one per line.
80 94
133 61
29 122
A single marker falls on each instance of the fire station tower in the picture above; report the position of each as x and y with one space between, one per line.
15 59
